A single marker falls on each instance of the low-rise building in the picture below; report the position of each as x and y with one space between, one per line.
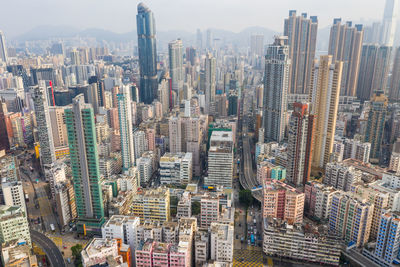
152 204
14 225
184 209
282 201
221 242
209 210
122 227
201 246
300 242
12 193
14 254
318 199
102 251
176 168
65 202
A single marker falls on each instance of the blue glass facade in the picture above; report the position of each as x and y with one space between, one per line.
146 30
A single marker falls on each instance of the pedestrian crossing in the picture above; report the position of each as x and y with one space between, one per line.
247 258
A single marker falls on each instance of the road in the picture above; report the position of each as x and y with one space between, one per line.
248 179
37 195
47 245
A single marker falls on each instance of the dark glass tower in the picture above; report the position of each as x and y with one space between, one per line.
146 30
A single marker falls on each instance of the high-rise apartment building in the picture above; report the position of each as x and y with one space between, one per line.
58 127
376 196
340 176
140 143
350 218
374 70
85 165
175 50
356 150
125 126
282 201
324 98
257 45
345 44
220 159
47 154
145 168
302 39
388 239
376 124
199 39
318 199
276 85
4 142
394 93
210 83
175 134
389 22
3 48
300 138
146 30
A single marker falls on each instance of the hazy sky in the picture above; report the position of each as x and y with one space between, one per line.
19 16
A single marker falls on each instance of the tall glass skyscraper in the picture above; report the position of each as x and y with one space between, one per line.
81 131
146 30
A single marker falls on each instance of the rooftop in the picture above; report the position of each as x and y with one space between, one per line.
97 245
221 136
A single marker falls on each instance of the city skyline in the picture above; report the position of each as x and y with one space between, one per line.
255 16
206 149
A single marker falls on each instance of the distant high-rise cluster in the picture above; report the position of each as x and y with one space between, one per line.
302 40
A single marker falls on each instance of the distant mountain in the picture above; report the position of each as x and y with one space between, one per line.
47 32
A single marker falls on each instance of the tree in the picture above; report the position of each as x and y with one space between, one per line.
245 197
76 253
173 201
195 207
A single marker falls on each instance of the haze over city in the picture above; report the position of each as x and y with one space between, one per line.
205 133
187 15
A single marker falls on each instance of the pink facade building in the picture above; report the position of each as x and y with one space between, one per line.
143 254
283 201
151 138
209 210
178 257
158 254
114 119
